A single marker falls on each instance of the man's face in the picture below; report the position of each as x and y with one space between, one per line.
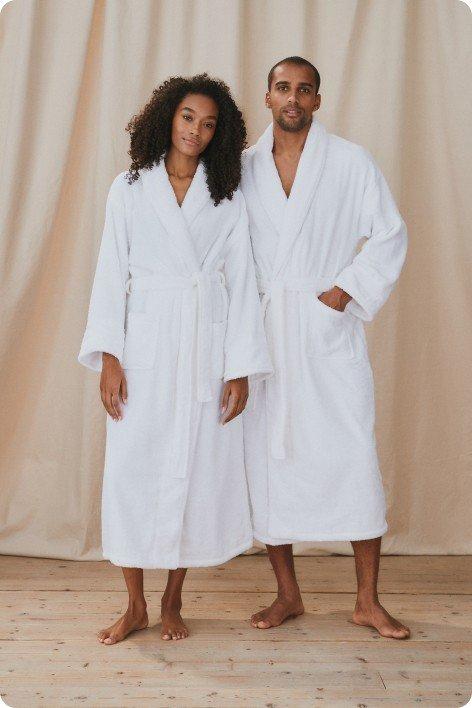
292 97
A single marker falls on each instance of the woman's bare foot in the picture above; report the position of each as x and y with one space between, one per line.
173 626
134 618
376 616
280 610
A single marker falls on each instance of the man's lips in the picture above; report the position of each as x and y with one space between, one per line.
292 112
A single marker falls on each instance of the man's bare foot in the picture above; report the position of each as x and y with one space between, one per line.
376 616
280 610
173 626
132 620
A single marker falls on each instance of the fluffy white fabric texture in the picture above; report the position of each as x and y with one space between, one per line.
175 299
310 446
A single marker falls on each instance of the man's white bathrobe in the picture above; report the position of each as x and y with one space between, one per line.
175 299
309 434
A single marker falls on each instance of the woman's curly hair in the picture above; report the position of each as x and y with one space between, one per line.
151 131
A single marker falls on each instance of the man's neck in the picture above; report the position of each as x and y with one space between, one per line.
287 144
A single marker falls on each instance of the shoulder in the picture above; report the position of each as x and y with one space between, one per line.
353 157
120 190
347 149
247 156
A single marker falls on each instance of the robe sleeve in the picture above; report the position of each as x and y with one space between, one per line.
373 273
105 329
246 350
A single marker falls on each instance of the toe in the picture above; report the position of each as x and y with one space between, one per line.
263 624
402 633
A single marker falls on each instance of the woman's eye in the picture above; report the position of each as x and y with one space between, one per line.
210 126
187 117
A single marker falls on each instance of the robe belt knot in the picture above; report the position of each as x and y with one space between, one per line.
274 291
202 281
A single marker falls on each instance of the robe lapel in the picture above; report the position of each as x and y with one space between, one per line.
267 181
309 171
158 190
197 197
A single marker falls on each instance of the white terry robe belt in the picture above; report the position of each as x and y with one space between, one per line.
274 291
200 282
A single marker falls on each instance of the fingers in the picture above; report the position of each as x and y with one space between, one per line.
124 390
115 404
110 400
225 397
238 404
105 396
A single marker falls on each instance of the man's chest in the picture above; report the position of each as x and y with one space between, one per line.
287 169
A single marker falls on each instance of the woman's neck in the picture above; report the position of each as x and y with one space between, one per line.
179 165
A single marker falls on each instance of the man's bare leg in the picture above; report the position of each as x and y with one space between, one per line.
135 616
288 602
368 611
173 626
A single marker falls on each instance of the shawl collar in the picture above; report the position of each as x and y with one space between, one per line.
288 215
177 220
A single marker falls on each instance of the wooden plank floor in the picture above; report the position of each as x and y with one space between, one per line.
51 610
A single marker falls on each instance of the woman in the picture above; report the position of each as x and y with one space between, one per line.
175 328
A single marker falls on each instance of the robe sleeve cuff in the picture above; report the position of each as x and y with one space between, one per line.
361 305
253 374
95 343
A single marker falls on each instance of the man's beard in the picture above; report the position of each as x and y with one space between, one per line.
298 125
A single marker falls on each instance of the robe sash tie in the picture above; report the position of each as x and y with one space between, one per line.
200 283
274 292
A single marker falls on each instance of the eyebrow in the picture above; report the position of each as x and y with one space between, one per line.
286 83
187 108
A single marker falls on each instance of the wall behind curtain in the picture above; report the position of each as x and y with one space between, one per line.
395 78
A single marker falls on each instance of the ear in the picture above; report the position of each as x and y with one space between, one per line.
267 100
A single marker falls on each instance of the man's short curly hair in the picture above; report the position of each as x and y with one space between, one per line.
151 131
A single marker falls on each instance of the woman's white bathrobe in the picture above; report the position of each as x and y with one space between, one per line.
174 298
309 436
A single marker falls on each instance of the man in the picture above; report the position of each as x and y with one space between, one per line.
309 433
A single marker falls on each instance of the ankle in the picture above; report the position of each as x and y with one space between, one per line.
171 602
367 600
137 606
289 594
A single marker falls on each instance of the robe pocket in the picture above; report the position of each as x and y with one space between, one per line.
140 341
218 350
328 331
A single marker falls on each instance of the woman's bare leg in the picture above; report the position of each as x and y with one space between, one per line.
135 616
173 626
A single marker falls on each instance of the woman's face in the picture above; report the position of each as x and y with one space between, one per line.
194 124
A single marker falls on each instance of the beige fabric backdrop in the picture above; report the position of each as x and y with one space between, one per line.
395 78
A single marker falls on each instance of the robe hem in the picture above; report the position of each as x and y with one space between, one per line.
314 538
182 562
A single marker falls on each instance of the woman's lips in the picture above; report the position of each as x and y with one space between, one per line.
191 142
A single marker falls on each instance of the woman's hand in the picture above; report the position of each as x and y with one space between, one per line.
113 388
235 395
